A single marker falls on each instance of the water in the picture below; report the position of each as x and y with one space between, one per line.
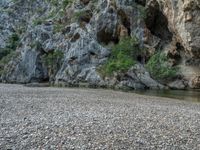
187 95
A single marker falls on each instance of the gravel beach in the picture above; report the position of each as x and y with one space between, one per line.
72 118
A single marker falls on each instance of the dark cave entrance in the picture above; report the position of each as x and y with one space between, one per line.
125 20
157 23
106 37
141 2
141 59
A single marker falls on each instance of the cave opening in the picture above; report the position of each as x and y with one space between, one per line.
157 23
179 47
106 37
141 2
141 59
125 20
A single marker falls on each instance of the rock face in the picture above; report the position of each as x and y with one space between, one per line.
84 30
184 23
184 19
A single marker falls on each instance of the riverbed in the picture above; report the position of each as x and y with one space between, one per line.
75 118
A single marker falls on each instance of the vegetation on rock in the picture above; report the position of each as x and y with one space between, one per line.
123 56
53 61
84 30
159 69
7 53
64 3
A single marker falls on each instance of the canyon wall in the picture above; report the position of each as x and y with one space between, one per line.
84 33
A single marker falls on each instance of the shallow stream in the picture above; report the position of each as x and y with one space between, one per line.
187 95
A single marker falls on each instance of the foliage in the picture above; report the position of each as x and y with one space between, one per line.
13 41
159 69
123 56
79 14
41 20
37 22
142 11
4 52
7 53
15 1
53 61
54 14
53 2
5 60
58 27
65 3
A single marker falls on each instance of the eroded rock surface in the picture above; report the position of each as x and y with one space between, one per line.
83 31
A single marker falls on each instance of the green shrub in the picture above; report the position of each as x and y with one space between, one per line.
58 27
38 22
5 60
15 1
159 69
43 19
53 61
13 41
78 15
7 53
4 52
65 3
142 11
54 2
123 56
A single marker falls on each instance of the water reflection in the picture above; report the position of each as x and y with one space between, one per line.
187 95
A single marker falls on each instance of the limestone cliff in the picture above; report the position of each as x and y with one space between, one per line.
67 41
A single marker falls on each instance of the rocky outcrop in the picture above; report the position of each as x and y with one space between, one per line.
183 23
138 78
183 18
84 30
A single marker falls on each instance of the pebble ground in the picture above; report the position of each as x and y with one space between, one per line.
83 119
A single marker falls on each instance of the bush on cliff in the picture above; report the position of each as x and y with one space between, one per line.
123 56
52 61
159 69
9 52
